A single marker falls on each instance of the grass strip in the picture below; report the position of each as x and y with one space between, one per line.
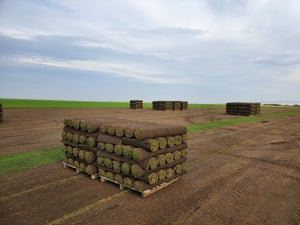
86 208
229 122
20 161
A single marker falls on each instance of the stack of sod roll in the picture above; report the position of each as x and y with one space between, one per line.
138 155
136 104
242 108
169 105
1 115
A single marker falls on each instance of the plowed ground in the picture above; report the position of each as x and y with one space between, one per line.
247 173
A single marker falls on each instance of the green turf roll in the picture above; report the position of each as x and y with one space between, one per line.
82 139
170 172
119 178
65 149
109 147
184 152
109 175
70 150
140 186
128 182
66 121
119 132
91 142
162 174
91 169
137 171
70 122
92 126
161 160
170 157
153 144
184 138
65 159
178 139
76 163
178 168
149 144
75 152
177 155
184 165
152 178
82 166
125 168
101 172
64 135
83 125
75 139
69 136
153 163
101 145
171 141
70 161
90 157
111 130
82 154
100 161
138 154
116 166
129 132
103 128
76 124
162 142
108 163
127 151
118 149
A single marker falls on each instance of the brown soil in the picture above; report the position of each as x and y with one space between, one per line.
247 173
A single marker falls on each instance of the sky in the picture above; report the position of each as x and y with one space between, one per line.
201 51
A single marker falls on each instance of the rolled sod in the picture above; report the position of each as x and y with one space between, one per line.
65 159
76 124
69 136
75 139
108 163
158 130
119 178
64 135
171 141
66 120
75 152
153 163
103 128
177 155
92 126
70 150
184 152
170 172
101 172
90 157
109 139
176 148
91 142
109 175
152 178
128 182
118 149
169 157
109 147
101 145
116 166
129 132
111 130
125 168
91 169
100 161
127 151
162 159
70 161
82 166
70 122
178 139
82 139
83 125
184 165
162 174
139 154
162 142
149 144
82 154
140 186
184 138
178 168
137 171
76 163
120 131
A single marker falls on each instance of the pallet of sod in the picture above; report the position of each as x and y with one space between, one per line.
136 104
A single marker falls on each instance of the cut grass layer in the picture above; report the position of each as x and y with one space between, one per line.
229 122
20 161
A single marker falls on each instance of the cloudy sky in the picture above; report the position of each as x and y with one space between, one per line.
211 51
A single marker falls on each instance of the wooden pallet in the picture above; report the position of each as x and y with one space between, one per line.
144 193
66 165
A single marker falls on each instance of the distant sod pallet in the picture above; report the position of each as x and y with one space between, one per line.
169 105
78 170
242 108
136 104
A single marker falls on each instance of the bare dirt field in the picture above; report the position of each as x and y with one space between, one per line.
247 173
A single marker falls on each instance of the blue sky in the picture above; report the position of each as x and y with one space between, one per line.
212 51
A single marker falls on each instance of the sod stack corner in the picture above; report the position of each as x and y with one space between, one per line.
136 155
1 113
136 104
242 108
169 105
